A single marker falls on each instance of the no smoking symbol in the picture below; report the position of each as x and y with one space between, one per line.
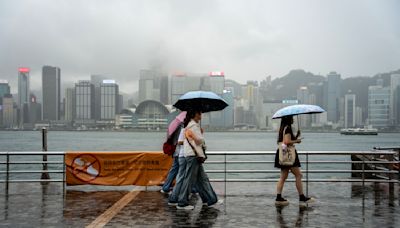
86 167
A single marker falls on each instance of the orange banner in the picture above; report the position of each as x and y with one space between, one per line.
117 168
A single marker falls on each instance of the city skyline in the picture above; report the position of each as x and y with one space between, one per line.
243 39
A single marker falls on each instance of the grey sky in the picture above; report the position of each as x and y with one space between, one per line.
246 39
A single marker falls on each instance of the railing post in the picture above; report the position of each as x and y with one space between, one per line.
307 173
7 170
363 175
391 185
45 174
64 171
225 175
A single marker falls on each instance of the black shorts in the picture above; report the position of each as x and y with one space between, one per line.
277 165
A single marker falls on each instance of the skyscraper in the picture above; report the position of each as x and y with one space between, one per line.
350 110
182 83
4 88
35 110
303 97
378 106
69 104
84 105
23 94
147 86
96 80
9 119
332 91
109 99
217 82
51 88
395 99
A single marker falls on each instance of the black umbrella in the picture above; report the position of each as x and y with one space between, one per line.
203 101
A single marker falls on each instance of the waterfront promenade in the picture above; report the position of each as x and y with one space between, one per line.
246 205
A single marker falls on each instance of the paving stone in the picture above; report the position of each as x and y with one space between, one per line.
246 205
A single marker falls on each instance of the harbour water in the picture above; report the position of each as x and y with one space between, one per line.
216 141
152 141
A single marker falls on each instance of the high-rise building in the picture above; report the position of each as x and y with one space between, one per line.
96 80
359 116
378 106
23 94
84 100
4 88
228 112
217 82
349 110
395 99
182 83
35 110
51 88
69 104
9 117
109 99
149 86
303 97
332 96
164 89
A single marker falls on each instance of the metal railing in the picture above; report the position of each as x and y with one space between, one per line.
390 173
10 161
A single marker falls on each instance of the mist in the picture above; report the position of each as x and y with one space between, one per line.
245 39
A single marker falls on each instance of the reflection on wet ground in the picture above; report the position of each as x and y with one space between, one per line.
246 205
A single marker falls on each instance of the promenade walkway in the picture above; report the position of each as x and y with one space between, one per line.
246 205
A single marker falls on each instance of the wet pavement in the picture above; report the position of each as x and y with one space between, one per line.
246 205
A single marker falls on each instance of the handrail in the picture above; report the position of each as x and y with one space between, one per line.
225 170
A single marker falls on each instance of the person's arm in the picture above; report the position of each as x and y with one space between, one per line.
287 139
197 139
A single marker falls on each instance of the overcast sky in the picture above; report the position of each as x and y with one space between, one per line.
245 39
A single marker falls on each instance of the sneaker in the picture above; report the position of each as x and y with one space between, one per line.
306 201
188 207
219 202
164 192
281 202
172 204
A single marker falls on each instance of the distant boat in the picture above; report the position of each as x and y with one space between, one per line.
359 131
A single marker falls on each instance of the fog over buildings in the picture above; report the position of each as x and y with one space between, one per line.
244 39
123 64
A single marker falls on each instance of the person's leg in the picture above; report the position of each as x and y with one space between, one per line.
173 198
189 178
299 185
298 175
282 179
205 189
171 175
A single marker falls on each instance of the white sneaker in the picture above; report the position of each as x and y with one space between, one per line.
309 200
219 202
188 207
164 192
172 204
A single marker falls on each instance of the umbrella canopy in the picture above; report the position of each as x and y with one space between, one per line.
204 101
297 110
175 123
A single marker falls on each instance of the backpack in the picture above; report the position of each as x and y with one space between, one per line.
169 148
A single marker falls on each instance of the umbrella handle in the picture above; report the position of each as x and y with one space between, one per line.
298 123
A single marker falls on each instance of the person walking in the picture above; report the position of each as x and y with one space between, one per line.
286 141
194 151
166 188
173 198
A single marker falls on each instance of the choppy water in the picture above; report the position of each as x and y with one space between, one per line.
229 141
